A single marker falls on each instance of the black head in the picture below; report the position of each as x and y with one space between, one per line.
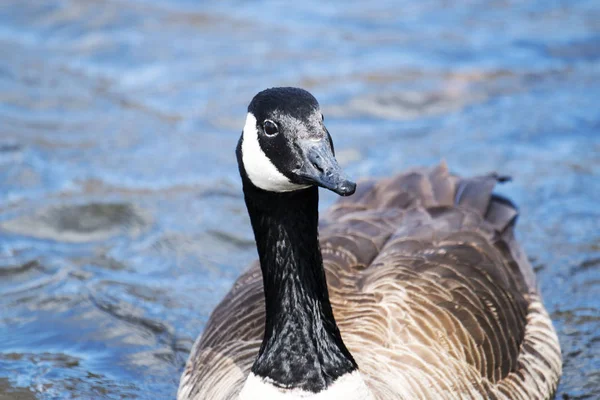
285 145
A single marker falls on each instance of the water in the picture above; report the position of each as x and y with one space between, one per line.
121 219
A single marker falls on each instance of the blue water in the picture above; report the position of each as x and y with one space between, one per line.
121 219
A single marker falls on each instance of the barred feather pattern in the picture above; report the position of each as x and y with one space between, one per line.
432 294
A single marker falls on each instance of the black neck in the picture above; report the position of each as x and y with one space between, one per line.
302 347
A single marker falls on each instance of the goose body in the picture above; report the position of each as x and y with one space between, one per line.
429 294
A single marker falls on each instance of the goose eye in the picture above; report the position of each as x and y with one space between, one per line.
271 128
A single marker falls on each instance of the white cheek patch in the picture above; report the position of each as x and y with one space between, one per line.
258 166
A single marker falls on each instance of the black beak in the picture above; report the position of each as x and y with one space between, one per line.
321 168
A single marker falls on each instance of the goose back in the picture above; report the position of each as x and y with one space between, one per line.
432 294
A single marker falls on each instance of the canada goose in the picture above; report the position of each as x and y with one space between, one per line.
433 297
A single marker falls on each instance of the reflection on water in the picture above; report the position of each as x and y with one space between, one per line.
121 219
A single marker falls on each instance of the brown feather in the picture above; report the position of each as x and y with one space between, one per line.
432 293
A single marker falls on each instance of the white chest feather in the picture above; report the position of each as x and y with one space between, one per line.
259 168
347 387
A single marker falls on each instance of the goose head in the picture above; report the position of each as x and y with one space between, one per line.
285 145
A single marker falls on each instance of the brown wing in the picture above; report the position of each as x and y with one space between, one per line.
222 357
433 296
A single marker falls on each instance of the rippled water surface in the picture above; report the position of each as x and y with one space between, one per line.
121 219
